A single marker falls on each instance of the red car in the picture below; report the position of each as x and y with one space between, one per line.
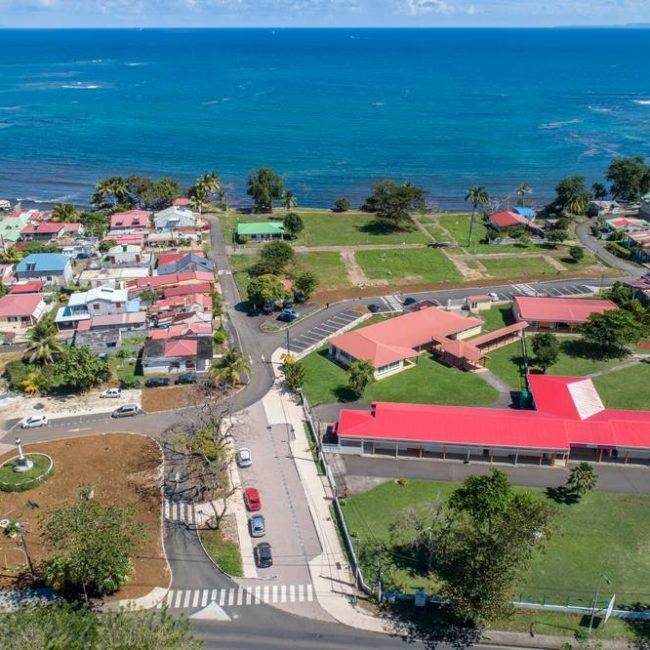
252 500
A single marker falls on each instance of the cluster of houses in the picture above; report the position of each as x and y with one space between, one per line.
149 281
569 419
632 232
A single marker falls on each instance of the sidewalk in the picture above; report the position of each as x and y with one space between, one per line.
330 572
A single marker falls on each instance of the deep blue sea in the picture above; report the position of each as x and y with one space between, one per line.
332 110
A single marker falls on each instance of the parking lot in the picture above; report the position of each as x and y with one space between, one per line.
322 331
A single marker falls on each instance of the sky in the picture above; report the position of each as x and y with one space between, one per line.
321 13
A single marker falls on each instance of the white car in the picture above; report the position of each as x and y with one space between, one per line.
112 392
33 421
493 296
244 458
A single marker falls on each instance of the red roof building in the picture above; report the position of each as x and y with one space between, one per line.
42 230
173 279
187 289
130 219
569 418
31 286
181 330
507 219
21 310
181 348
557 313
182 202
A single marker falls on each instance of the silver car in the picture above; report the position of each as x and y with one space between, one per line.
256 526
244 457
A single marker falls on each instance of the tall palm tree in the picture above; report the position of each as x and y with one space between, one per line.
198 198
232 366
289 200
42 345
64 213
360 374
11 256
210 183
582 479
115 188
522 190
576 204
476 195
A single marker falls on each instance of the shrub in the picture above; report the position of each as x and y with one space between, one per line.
16 372
402 482
341 205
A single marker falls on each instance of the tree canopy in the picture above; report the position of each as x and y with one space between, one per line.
360 374
572 195
275 256
393 203
293 224
265 186
546 348
306 284
629 178
611 331
265 288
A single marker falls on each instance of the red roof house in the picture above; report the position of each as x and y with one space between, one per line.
507 219
42 230
557 313
31 286
182 202
130 219
21 310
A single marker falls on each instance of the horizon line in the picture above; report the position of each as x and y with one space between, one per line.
639 26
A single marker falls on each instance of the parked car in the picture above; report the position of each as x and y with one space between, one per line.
186 378
268 306
112 392
287 304
410 301
252 499
256 526
33 421
374 307
288 315
156 382
299 296
263 556
126 411
244 458
493 296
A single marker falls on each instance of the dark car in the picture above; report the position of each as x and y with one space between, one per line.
373 307
263 556
287 304
186 378
268 306
156 382
299 296
410 301
288 315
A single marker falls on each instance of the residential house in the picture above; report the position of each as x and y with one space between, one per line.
174 218
644 208
163 311
525 211
128 255
182 202
78 248
119 276
161 356
129 222
187 289
19 311
161 282
570 422
137 238
603 208
508 220
479 302
100 301
53 268
639 243
126 321
182 262
641 288
626 225
181 330
11 225
260 230
105 335
31 286
557 314
42 231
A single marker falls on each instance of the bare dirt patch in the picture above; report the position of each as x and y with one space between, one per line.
123 469
168 397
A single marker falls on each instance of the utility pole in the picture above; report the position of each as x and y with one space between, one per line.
595 601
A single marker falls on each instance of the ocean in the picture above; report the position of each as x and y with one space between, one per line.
331 110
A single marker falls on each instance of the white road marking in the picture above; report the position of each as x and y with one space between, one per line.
186 602
231 597
265 596
204 598
197 595
179 595
236 596
222 597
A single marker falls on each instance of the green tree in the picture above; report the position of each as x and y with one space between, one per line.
65 213
522 190
231 367
11 256
159 194
289 200
198 197
205 190
477 196
577 253
42 345
582 479
546 348
599 191
629 178
393 203
360 374
149 296
265 288
264 187
4 289
110 192
557 236
293 224
306 284
341 205
95 223
494 533
77 369
572 195
294 372
275 256
611 331
92 547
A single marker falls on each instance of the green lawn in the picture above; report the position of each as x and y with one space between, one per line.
428 383
574 359
223 552
11 481
603 533
496 317
628 388
520 266
326 228
407 265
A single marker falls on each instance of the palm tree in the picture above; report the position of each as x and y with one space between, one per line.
522 190
361 373
232 366
11 256
210 183
576 204
289 200
582 479
198 198
31 384
115 187
477 195
64 213
42 345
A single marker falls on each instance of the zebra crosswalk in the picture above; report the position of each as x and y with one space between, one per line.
238 596
181 511
393 303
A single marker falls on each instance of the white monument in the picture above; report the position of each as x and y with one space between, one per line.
23 464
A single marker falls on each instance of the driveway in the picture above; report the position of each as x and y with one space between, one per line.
596 246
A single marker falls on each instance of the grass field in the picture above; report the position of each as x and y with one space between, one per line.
407 265
603 533
326 228
496 317
628 388
507 362
223 552
520 266
428 383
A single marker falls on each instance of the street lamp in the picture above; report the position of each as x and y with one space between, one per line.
595 601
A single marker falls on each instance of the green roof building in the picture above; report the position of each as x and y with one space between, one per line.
10 227
260 230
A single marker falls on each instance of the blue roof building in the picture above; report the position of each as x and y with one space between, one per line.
52 268
189 262
524 211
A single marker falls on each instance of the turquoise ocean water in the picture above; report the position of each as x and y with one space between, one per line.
332 110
